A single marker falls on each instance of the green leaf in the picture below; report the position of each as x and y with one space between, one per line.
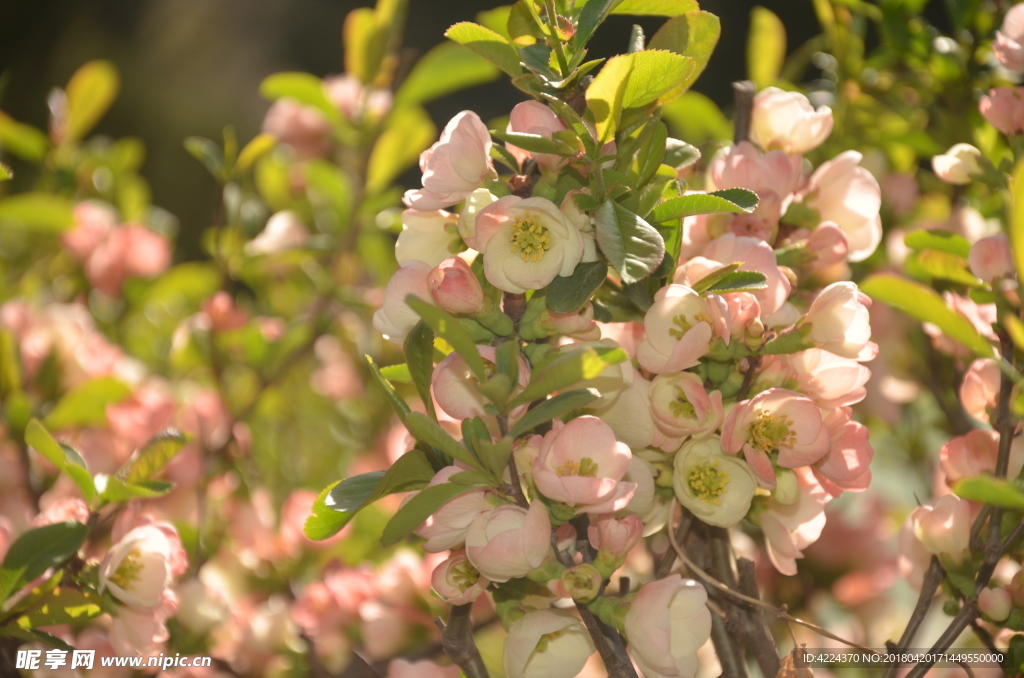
22 140
714 277
633 247
605 93
40 211
302 87
260 145
400 406
535 143
696 118
991 491
208 153
739 281
569 293
116 490
473 478
365 37
38 550
563 403
652 152
766 47
409 132
591 16
419 352
446 68
86 405
64 457
565 371
1017 216
487 44
62 605
35 636
679 154
925 304
694 35
734 200
151 457
418 509
942 241
449 329
942 265
399 373
655 75
90 92
655 7
351 494
428 431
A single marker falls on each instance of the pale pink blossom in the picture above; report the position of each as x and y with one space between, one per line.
680 326
303 128
667 623
430 237
789 529
454 385
943 526
828 244
914 559
990 257
201 608
576 324
385 629
337 376
454 287
975 454
581 464
787 121
446 527
565 652
526 243
206 416
284 231
840 322
958 165
715 487
744 315
1009 42
776 420
93 220
457 581
995 603
401 668
774 176
353 100
223 314
828 379
628 409
395 319
127 251
981 316
133 517
1003 107
627 335
845 467
849 196
455 166
61 510
139 631
900 192
533 117
137 569
682 407
615 536
980 388
509 541
756 255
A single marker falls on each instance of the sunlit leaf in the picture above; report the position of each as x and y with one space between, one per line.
766 47
90 92
487 44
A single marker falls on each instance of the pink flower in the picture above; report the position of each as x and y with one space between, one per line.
62 510
776 420
284 231
223 314
430 237
774 176
303 128
758 256
454 385
581 464
545 644
454 166
828 244
683 408
990 257
830 380
614 536
846 465
93 220
913 559
667 623
787 121
943 526
337 376
680 326
744 315
134 631
840 322
900 192
127 251
1009 43
400 668
980 388
457 581
788 530
533 117
454 287
395 319
995 603
137 568
446 528
958 165
849 196
1003 107
353 100
509 541
206 416
974 454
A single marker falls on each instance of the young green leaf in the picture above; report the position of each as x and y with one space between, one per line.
487 44
563 403
568 293
365 36
305 88
446 68
36 551
766 47
90 92
605 93
62 605
652 152
151 457
591 16
114 490
942 265
714 277
449 329
739 281
655 7
418 509
65 458
991 491
734 200
37 211
567 370
693 35
654 75
22 140
419 352
428 431
474 478
86 405
633 247
942 241
679 154
400 406
258 146
925 304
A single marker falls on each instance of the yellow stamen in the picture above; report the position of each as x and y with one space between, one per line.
530 238
708 483
583 467
770 432
128 571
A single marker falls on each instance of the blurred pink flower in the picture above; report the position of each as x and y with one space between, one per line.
454 166
900 192
283 231
1003 107
849 196
206 417
303 128
149 410
337 377
787 121
788 530
223 314
400 668
127 251
828 244
943 526
980 388
93 220
67 508
1009 43
975 454
990 257
395 319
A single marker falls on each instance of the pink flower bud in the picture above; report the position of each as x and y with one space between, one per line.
457 581
533 117
614 536
943 526
396 319
1003 107
958 165
509 541
1009 43
455 288
828 244
787 121
990 257
223 314
455 390
303 128
980 388
995 603
840 322
667 623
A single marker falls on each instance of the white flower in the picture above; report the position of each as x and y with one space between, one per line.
958 164
427 236
477 200
283 231
715 486
546 644
137 569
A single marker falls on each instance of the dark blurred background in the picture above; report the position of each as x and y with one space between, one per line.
190 67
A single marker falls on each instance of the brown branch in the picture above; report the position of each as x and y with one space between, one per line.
729 655
932 579
753 362
457 641
961 621
759 637
743 95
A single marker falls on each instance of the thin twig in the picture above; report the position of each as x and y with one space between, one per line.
756 630
984 636
753 362
961 621
929 585
743 95
457 641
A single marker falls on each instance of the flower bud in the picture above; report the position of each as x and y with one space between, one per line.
613 536
840 322
943 526
509 541
958 164
455 288
457 581
828 244
787 121
990 257
581 583
1003 107
995 603
667 623
787 489
546 643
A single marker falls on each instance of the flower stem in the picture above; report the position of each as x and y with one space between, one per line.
743 95
457 642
